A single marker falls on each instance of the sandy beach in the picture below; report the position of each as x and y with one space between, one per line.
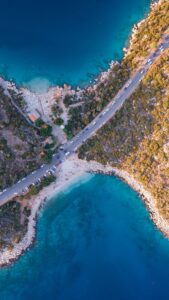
72 169
70 172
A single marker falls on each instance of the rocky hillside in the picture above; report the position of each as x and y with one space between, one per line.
137 138
21 146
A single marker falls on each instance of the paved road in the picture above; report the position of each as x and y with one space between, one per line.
71 147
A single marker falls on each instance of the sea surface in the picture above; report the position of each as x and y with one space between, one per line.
56 41
95 241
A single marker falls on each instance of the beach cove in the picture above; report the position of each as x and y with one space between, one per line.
86 213
102 213
73 169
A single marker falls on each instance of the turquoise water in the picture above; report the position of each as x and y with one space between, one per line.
54 41
94 242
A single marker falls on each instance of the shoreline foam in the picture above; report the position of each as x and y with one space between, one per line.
47 97
74 168
69 174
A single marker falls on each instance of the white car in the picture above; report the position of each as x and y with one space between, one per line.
67 153
54 168
51 171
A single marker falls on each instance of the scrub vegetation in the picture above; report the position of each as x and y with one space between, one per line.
137 138
13 224
22 147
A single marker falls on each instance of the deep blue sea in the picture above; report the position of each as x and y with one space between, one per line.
56 41
95 241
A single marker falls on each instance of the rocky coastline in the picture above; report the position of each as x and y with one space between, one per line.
72 171
68 171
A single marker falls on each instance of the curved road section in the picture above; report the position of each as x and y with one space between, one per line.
72 146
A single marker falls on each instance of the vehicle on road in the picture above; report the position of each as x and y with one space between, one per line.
54 168
65 149
130 81
50 172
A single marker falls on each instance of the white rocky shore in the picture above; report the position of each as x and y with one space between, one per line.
42 101
72 170
135 29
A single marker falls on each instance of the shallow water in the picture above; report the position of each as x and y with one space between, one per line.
94 242
48 42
